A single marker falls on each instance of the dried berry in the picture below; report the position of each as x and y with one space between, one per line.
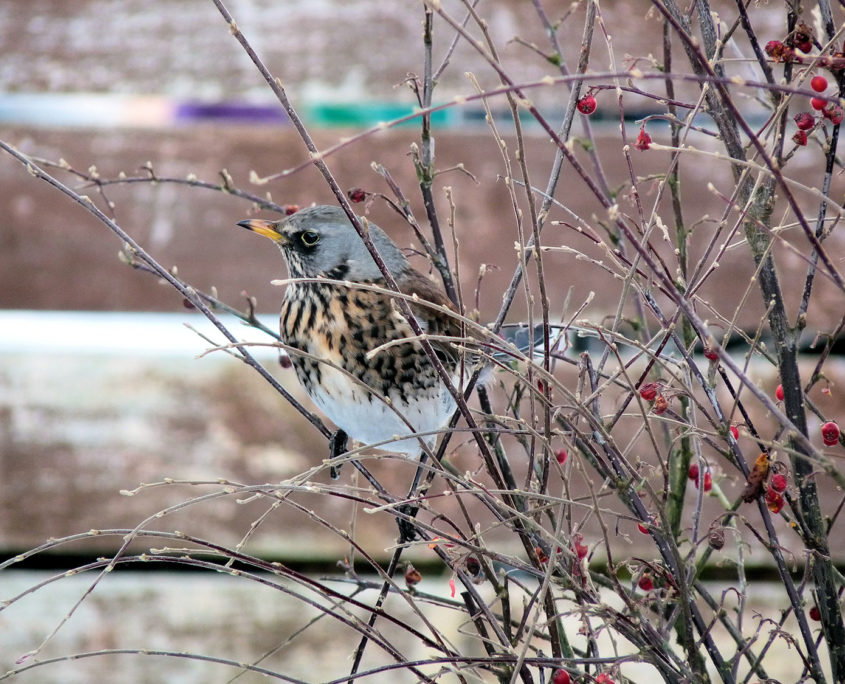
643 140
561 677
775 49
587 105
800 138
412 576
814 613
716 538
474 567
818 83
649 390
646 583
774 500
802 38
284 361
778 51
660 404
561 456
779 393
830 433
356 195
291 209
805 121
835 113
542 556
778 482
579 546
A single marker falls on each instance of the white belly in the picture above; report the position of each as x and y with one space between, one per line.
371 420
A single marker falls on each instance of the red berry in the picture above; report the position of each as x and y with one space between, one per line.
708 482
642 528
834 113
779 393
284 361
643 140
814 613
805 121
711 354
291 209
735 431
646 583
356 195
649 391
818 103
561 456
561 677
804 45
830 433
693 471
818 83
604 679
778 483
587 105
660 404
800 138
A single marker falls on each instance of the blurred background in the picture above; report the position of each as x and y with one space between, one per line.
102 384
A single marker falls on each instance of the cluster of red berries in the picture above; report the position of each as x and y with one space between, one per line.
800 39
805 121
706 481
650 391
779 51
830 430
562 677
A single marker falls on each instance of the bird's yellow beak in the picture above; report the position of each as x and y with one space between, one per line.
266 228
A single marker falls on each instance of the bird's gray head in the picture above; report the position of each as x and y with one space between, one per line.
321 241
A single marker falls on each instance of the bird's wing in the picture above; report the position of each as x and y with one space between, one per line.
436 322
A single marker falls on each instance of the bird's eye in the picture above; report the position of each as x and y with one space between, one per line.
310 238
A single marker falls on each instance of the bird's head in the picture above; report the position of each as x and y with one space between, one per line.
321 241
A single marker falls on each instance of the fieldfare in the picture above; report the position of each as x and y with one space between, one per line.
331 328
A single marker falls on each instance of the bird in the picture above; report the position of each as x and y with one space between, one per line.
331 321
